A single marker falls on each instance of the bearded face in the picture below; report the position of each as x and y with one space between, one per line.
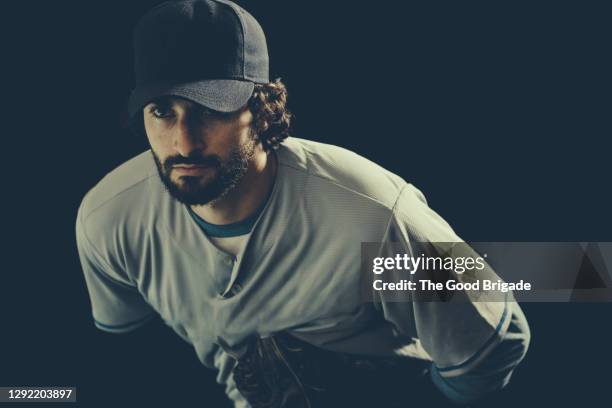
199 179
200 154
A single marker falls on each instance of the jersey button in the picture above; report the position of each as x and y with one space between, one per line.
236 289
229 260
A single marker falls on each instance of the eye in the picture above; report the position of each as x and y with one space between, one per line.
160 111
209 114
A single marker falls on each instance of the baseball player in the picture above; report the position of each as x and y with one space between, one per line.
247 242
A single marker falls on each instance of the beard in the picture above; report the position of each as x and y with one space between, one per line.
201 190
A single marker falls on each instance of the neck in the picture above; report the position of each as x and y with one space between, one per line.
246 197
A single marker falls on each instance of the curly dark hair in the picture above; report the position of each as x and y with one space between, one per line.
271 118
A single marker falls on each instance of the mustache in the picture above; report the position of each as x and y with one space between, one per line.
196 159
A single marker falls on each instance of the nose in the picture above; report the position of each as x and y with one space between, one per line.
186 137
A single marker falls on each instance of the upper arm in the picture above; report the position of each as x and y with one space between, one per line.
456 330
117 305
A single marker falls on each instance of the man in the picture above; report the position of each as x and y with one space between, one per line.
248 243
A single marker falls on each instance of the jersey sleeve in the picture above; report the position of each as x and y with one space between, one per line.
464 337
495 370
117 306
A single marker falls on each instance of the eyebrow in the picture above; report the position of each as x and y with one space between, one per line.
169 101
163 100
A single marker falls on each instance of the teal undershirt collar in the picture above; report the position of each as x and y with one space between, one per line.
228 230
235 229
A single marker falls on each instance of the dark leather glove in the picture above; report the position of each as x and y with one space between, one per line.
281 371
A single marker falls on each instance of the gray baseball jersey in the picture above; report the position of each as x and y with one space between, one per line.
299 271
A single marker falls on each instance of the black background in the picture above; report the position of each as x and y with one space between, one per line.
498 112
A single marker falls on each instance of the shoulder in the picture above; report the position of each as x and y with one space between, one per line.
110 205
332 168
121 182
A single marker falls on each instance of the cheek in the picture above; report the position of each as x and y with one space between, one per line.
245 122
240 132
154 136
225 137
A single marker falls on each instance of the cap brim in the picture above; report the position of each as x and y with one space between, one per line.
223 95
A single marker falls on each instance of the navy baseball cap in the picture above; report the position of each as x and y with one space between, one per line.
208 51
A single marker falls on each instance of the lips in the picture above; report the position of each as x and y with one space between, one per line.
189 166
190 169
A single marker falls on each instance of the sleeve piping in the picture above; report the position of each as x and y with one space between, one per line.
124 328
